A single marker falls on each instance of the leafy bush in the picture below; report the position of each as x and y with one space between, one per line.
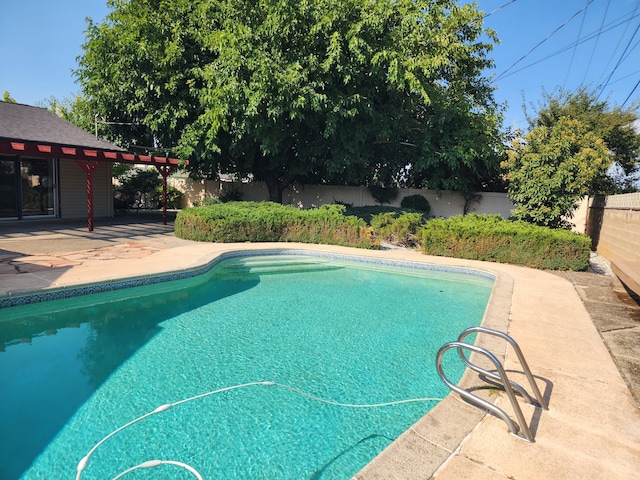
174 197
399 230
136 188
383 194
370 211
416 202
230 195
491 238
272 222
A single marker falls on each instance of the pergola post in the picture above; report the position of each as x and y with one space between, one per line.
165 170
89 166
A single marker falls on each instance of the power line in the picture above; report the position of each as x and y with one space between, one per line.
576 46
619 62
619 42
498 9
544 40
564 49
597 39
627 99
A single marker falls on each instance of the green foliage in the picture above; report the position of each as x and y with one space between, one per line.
311 91
77 110
416 202
136 190
230 195
122 170
399 230
614 125
552 168
370 211
382 194
566 155
6 97
210 201
271 222
174 197
491 238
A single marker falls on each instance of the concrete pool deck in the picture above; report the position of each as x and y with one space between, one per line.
592 427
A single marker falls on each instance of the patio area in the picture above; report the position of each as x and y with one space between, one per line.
580 333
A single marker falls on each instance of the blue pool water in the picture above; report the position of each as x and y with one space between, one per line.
72 371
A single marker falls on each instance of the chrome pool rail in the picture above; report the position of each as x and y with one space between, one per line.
519 429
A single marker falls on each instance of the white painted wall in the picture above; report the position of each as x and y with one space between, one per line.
443 204
73 190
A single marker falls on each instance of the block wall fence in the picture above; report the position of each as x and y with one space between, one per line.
613 223
443 204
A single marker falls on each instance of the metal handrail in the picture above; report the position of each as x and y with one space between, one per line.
540 403
513 427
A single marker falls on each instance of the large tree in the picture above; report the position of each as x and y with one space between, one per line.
573 141
615 126
551 168
348 91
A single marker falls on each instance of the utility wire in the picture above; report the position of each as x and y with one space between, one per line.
634 89
541 42
498 9
597 39
619 62
619 42
573 54
564 49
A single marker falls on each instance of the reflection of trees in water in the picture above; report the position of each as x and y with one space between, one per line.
119 329
25 330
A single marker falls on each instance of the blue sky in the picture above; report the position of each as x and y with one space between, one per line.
545 44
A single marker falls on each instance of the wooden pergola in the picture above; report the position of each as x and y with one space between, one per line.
89 159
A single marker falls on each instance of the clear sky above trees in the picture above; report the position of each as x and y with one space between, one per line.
584 50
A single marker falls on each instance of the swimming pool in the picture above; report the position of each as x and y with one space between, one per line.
348 332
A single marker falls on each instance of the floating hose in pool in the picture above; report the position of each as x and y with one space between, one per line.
82 464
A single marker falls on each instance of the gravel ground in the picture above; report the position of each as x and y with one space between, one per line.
599 264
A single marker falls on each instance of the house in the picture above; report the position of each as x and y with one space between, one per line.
49 168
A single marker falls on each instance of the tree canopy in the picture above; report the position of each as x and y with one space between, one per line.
314 91
567 154
616 127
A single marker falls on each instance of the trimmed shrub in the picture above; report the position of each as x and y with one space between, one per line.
383 194
416 202
397 229
491 238
370 211
174 197
272 222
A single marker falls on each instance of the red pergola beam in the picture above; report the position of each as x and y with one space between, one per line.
77 153
89 159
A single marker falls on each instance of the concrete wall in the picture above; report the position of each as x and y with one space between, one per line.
443 204
614 227
73 190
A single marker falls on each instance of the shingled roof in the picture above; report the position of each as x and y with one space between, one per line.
25 123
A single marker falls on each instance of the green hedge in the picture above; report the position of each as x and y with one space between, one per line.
397 228
272 222
491 238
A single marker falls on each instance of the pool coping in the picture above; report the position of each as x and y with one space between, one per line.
422 449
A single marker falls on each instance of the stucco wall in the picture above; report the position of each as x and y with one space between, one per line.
443 204
614 226
73 191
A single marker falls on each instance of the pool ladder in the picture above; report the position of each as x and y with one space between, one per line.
500 376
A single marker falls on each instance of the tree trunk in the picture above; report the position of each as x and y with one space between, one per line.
275 188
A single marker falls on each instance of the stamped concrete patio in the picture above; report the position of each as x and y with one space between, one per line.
578 331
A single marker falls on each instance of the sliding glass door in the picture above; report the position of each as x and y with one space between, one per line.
37 182
8 187
27 187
